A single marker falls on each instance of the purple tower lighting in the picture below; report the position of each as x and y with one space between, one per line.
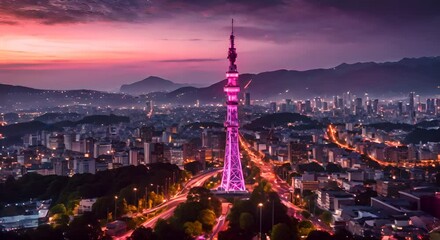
232 179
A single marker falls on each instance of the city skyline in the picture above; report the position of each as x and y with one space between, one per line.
102 45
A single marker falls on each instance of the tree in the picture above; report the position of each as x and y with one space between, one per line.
305 227
103 206
326 217
343 234
193 229
333 168
311 167
58 209
165 231
59 214
207 218
142 233
246 221
84 227
46 232
281 232
319 235
306 214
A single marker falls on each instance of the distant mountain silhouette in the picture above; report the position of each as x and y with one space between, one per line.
11 89
150 84
421 75
17 97
389 79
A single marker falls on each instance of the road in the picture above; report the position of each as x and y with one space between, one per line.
221 223
170 205
331 132
279 186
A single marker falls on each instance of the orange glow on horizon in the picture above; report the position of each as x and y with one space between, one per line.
30 45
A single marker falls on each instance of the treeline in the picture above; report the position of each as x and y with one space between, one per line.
105 183
66 193
280 119
21 129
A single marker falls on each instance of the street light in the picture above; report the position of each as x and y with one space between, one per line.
260 206
146 194
273 212
135 197
116 198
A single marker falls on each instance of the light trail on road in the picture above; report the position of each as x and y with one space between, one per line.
279 186
171 204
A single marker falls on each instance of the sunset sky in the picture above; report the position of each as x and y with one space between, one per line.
101 44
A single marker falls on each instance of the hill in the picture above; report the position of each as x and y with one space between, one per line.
278 119
423 135
20 129
150 84
17 97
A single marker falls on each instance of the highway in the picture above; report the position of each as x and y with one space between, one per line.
331 132
170 205
279 185
221 221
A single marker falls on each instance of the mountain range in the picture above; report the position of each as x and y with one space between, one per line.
388 79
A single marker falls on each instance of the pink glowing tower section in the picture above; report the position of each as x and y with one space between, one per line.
232 179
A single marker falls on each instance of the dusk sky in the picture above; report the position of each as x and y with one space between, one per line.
101 44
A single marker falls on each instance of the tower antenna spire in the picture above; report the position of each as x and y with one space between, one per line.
232 27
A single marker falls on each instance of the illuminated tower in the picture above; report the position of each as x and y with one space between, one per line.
232 179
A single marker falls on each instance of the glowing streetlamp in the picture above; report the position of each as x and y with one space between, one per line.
116 199
135 197
260 206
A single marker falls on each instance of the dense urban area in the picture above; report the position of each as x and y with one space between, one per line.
338 168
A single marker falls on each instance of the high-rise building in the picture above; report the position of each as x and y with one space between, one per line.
232 179
206 135
146 133
411 109
437 105
148 148
335 102
133 156
308 107
247 99
88 146
341 103
149 109
325 106
369 105
273 107
102 149
68 139
296 151
430 106
318 103
283 107
347 99
376 106
400 108
358 106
